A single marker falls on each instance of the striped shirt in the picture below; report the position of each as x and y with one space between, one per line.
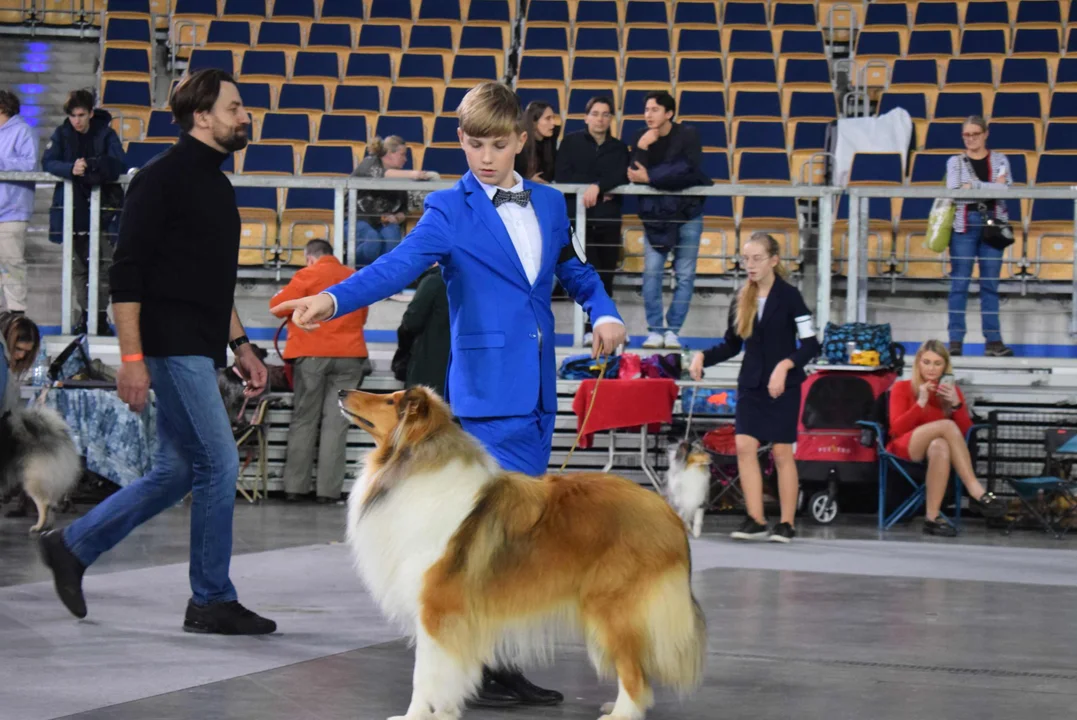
959 172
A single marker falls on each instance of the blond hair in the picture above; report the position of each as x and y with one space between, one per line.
932 346
748 297
490 110
380 148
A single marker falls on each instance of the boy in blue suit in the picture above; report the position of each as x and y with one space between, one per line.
499 241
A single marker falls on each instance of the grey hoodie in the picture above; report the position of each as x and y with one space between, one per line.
18 152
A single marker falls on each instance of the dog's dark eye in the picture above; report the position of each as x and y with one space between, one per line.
388 402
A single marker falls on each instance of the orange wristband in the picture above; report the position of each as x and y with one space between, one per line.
131 358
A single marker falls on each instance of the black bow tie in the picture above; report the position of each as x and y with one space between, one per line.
520 198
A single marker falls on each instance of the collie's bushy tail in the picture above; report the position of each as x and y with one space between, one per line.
676 632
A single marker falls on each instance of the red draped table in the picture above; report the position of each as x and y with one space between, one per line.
625 404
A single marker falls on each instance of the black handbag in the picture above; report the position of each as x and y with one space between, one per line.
996 233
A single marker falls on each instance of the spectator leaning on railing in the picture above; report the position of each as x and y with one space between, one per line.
86 150
18 153
976 169
668 156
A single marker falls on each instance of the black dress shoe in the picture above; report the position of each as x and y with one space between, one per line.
66 569
226 618
491 694
530 694
292 497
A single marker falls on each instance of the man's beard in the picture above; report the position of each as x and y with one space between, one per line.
234 141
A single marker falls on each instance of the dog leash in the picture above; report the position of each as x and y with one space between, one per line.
691 409
586 415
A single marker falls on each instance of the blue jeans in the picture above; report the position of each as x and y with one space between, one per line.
371 244
685 254
195 453
519 444
964 247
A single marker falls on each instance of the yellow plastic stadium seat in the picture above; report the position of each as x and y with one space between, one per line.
633 252
714 248
1050 250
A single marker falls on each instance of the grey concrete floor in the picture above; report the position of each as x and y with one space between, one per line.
844 623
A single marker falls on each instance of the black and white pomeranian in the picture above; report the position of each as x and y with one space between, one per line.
38 457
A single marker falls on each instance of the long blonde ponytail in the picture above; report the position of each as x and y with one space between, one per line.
748 296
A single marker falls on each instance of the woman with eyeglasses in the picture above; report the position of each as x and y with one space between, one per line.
976 169
767 319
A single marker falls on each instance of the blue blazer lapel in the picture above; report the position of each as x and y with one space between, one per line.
484 209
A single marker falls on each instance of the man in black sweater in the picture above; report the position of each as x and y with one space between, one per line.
595 156
668 156
173 281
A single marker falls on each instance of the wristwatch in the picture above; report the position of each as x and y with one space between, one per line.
235 344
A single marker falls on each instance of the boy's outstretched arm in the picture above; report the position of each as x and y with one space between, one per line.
585 287
429 242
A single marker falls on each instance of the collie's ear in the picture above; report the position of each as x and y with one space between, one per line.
414 405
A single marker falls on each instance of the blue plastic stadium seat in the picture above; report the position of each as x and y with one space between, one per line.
594 69
937 13
446 161
439 38
969 71
293 9
435 10
886 14
544 39
697 13
477 68
1014 105
914 103
742 12
411 100
372 65
135 93
489 11
930 42
309 98
548 11
743 41
546 95
579 97
390 11
380 37
655 71
646 12
256 96
944 136
794 14
649 40
125 60
1013 137
269 63
802 42
758 104
987 12
342 11
356 98
876 168
342 128
597 12
289 127
1061 137
760 135
701 103
958 105
140 153
284 33
983 42
161 126
410 128
699 41
311 65
416 66
229 32
248 8
329 35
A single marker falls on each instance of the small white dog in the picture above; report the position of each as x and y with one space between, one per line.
688 483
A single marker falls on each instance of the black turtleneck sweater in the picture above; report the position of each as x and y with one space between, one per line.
178 252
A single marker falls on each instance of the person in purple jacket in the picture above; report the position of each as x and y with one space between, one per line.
18 153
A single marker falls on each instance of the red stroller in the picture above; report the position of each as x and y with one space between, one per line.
828 450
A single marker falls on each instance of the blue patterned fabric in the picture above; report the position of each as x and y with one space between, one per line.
117 443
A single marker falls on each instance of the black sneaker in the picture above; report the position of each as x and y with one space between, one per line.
750 530
956 348
226 618
782 533
940 528
997 349
67 571
990 506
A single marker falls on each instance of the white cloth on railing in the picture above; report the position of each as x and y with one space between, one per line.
891 132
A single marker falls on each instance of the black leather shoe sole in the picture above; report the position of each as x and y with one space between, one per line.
489 699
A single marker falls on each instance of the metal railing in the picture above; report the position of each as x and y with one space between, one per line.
346 189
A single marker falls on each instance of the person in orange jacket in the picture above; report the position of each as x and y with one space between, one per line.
327 360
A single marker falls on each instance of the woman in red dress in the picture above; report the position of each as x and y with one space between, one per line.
928 420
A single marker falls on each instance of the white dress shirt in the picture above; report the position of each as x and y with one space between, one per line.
523 228
526 235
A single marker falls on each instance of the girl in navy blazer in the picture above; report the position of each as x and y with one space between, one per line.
766 320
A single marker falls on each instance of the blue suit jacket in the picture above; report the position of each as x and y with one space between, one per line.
497 366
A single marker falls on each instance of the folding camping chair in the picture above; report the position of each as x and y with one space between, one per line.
878 431
720 444
1050 498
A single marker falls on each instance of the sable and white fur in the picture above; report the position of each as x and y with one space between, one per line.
481 566
38 456
688 483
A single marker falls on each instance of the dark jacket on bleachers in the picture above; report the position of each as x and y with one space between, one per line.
582 160
673 162
105 162
423 338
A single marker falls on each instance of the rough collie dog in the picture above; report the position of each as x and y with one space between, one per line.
688 482
481 566
38 457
